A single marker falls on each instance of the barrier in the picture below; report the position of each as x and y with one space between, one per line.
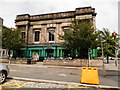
89 75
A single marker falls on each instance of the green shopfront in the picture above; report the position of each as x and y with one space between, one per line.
42 51
55 51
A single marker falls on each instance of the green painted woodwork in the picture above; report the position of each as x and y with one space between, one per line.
93 53
41 50
58 51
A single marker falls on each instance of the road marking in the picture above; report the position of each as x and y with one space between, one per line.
62 75
46 66
14 84
15 70
73 67
70 87
32 66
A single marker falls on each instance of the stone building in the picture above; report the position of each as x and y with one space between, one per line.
1 24
41 32
3 52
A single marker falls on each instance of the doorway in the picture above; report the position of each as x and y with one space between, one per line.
49 52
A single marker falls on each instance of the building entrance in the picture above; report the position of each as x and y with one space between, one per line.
49 52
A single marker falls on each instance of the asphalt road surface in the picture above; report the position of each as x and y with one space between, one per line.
67 74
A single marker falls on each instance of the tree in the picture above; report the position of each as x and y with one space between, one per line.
109 44
80 37
11 39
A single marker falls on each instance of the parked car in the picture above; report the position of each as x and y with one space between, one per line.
111 58
4 71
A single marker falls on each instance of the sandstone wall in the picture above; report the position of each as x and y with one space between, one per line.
75 62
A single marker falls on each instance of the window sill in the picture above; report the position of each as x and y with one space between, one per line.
51 41
36 42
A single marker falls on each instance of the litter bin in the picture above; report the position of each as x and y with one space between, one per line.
29 61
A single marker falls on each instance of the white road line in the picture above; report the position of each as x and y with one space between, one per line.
73 67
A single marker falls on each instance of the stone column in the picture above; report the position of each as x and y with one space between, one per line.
0 54
94 22
5 53
27 34
58 31
27 39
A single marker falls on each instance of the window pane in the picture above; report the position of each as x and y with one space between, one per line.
51 35
23 34
37 36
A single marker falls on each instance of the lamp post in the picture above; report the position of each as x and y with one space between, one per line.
114 35
103 65
88 57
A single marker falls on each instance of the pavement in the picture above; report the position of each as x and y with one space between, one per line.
111 66
67 83
108 67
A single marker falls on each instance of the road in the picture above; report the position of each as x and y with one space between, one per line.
59 73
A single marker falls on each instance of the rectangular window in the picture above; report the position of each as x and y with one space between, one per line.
37 36
66 29
23 34
51 35
22 28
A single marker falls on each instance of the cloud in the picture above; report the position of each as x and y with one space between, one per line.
107 10
107 16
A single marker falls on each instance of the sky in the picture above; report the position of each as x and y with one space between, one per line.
107 10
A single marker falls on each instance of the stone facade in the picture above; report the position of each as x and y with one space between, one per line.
1 24
119 26
3 52
54 23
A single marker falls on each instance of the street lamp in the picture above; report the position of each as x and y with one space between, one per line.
102 48
114 35
88 57
103 66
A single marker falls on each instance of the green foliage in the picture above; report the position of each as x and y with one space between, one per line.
80 37
11 40
109 44
118 56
